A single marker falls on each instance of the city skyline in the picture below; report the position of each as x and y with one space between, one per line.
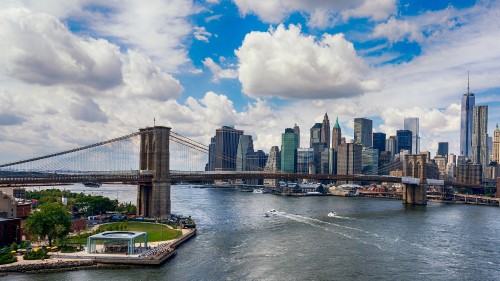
80 72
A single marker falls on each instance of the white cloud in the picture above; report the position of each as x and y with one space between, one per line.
375 9
430 24
320 11
285 63
59 9
86 109
212 18
321 19
157 29
200 33
398 30
37 48
217 72
142 78
436 125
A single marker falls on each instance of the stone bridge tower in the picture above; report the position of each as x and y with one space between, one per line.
153 198
415 179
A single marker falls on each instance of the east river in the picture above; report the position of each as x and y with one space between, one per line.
370 239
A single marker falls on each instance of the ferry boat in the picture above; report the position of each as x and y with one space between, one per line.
92 184
246 189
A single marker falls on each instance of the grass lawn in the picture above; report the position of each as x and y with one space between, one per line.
155 231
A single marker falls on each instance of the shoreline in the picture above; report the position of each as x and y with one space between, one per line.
70 262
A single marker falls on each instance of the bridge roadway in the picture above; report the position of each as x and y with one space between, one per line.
176 176
143 176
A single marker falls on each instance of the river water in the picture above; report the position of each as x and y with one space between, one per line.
370 239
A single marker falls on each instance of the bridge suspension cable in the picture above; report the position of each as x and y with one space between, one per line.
384 169
203 148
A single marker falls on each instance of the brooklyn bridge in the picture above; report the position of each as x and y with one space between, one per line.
154 158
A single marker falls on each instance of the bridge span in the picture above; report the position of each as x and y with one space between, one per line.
153 175
178 176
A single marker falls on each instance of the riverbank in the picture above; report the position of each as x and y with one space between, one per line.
54 265
82 260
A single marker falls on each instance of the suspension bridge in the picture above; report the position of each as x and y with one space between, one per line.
166 157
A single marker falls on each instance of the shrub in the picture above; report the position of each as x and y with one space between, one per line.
36 255
7 257
68 249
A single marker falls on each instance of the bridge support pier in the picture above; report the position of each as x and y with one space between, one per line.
414 194
153 198
415 179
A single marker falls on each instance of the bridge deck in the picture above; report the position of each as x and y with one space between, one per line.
178 176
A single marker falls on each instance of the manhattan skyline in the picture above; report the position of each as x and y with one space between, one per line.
81 72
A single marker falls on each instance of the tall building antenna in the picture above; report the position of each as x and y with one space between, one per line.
468 92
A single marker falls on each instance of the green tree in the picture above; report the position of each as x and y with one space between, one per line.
126 207
51 221
95 205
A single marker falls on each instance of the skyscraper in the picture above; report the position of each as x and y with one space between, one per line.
363 131
315 137
325 165
349 159
392 145
369 161
296 129
289 151
325 131
479 151
379 141
490 148
495 155
412 124
316 143
245 148
256 161
442 149
336 135
273 164
468 102
404 140
211 155
304 157
226 147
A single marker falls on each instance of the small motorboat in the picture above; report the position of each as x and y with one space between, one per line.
332 214
92 184
272 211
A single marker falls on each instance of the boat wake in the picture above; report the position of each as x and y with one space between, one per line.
328 226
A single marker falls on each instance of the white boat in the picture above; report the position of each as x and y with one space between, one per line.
332 214
272 211
258 190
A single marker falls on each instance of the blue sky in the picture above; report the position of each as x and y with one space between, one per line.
78 72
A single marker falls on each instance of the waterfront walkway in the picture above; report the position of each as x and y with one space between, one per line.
157 253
